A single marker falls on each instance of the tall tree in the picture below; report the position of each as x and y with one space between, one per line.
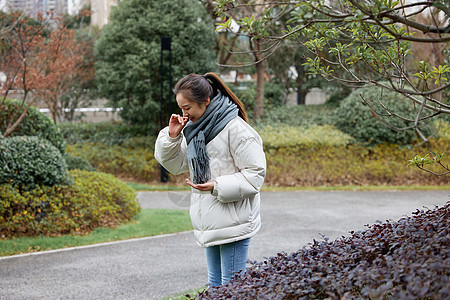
129 53
363 43
22 70
255 44
41 59
65 67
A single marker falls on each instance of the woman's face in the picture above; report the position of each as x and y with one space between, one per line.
192 109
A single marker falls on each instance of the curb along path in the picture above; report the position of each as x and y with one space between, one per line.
157 267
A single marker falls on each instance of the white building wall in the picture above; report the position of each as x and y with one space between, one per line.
101 10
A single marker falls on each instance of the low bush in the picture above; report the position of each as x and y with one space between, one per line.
407 259
137 164
299 115
137 142
326 165
285 136
356 118
107 133
319 162
95 199
35 123
27 162
443 129
77 163
274 95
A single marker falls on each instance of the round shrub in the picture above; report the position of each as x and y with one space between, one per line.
107 133
355 117
273 96
94 199
136 163
34 123
77 163
30 161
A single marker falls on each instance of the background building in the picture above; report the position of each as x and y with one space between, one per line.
101 10
32 7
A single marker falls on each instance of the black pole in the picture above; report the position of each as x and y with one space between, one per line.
161 100
165 45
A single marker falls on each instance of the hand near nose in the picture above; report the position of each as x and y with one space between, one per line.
176 124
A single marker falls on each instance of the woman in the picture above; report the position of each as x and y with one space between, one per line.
227 165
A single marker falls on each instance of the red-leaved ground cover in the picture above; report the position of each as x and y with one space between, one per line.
407 259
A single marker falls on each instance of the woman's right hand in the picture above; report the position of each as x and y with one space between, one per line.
176 124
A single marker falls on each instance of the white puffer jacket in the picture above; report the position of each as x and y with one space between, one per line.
238 167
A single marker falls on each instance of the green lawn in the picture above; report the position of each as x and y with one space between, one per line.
149 222
162 187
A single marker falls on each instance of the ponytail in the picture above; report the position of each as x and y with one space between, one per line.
216 82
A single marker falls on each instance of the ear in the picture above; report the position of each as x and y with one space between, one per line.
207 101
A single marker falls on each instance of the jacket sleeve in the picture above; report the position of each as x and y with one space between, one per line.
171 152
250 160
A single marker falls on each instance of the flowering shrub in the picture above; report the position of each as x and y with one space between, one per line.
407 259
95 199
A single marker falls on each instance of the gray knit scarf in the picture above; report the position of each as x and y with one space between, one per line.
219 112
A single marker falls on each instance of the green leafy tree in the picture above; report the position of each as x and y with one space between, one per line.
366 43
129 54
247 16
363 43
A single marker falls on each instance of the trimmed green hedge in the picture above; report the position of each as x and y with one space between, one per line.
299 115
77 163
35 123
328 161
356 118
28 161
136 164
284 136
106 133
95 199
385 164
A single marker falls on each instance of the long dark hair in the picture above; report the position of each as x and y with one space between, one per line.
199 88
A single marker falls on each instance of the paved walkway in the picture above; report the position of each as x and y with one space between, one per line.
157 267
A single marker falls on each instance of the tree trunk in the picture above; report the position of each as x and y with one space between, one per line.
259 101
12 126
301 94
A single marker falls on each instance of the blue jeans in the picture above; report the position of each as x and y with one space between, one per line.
226 260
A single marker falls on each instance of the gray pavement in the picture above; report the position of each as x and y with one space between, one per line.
158 267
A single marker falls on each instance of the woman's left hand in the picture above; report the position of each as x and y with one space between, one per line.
207 186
